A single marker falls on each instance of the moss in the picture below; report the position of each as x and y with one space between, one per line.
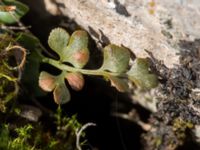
20 142
8 81
31 136
180 126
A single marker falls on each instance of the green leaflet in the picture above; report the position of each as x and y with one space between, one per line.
140 75
56 84
61 93
116 59
73 50
120 84
58 40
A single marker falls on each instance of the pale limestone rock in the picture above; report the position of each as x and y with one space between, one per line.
159 32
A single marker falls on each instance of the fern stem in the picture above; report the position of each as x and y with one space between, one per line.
98 72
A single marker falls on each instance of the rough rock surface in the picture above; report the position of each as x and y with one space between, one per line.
157 26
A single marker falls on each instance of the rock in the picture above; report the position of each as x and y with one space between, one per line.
157 26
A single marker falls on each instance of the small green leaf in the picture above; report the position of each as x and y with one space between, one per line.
56 84
116 59
77 52
61 93
120 84
12 16
58 40
75 80
140 75
47 81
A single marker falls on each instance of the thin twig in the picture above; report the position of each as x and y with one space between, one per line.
22 63
20 24
135 119
79 132
15 27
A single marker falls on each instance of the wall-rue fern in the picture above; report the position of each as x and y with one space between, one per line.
74 50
